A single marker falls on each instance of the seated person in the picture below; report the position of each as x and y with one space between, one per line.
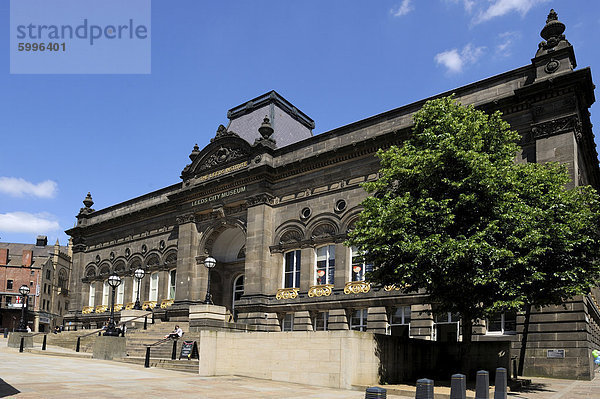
176 334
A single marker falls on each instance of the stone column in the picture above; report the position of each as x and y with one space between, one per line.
187 247
76 288
338 320
377 320
260 266
302 321
421 322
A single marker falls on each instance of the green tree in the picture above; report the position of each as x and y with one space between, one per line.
454 215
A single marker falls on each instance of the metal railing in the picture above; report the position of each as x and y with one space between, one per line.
159 342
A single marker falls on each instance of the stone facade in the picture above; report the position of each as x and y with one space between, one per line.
274 207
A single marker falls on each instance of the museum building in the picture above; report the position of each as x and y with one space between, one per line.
272 203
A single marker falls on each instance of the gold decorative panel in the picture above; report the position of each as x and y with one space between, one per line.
357 287
320 290
287 293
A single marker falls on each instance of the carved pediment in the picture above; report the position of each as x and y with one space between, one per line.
225 150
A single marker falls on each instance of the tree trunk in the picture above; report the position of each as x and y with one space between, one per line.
465 346
524 339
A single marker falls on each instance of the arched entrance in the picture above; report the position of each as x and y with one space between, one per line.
227 245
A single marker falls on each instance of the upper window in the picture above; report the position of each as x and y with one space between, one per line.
292 269
287 322
153 287
172 280
48 274
105 293
359 267
325 265
9 284
321 321
92 297
502 323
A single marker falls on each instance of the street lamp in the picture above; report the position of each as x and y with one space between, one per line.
114 281
209 262
24 291
139 275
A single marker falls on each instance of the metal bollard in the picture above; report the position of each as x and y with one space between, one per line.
500 389
44 342
174 353
375 393
514 367
99 333
152 317
6 333
458 387
482 385
145 322
424 389
22 344
78 344
147 360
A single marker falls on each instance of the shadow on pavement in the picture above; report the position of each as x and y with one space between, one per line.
531 388
7 389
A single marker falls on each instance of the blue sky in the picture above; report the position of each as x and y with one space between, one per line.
121 136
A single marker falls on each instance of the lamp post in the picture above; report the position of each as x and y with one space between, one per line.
114 281
209 262
24 291
139 275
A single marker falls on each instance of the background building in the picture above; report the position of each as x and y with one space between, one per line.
45 270
272 203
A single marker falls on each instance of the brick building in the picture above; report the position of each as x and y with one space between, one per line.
45 270
272 203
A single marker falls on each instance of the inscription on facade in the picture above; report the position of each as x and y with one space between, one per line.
219 196
220 172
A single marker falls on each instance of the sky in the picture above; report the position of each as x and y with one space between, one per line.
119 136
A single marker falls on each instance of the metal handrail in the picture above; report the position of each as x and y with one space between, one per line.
139 317
157 342
92 333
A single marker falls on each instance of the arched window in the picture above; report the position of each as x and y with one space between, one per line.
153 287
291 269
172 283
238 291
62 279
359 266
325 265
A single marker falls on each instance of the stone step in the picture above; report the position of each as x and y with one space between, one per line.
187 366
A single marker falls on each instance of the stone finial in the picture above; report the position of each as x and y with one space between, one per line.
553 29
195 152
265 129
88 202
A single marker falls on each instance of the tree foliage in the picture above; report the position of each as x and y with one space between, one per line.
454 215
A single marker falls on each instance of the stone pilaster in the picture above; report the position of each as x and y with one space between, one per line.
260 266
302 321
187 273
76 290
342 265
377 320
307 269
338 319
421 322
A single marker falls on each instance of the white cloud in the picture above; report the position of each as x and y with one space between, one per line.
18 187
403 9
468 4
499 8
455 61
23 222
507 39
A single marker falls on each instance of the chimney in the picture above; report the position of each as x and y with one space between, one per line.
41 241
3 256
27 258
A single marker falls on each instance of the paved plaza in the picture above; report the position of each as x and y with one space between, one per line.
32 375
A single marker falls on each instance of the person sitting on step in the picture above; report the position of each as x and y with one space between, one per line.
176 334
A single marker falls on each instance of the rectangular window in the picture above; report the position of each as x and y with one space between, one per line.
48 275
153 287
502 323
8 300
105 293
9 284
287 322
446 327
292 269
321 321
120 294
358 321
359 267
92 297
325 265
172 275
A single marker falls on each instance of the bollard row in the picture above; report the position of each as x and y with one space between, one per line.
458 387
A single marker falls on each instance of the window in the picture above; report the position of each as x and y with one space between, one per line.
446 327
292 269
9 284
325 265
502 323
92 297
359 267
153 287
399 321
238 291
321 321
48 274
62 279
105 292
8 300
358 321
172 281
120 293
287 322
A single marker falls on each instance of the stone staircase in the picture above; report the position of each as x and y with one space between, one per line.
160 355
137 339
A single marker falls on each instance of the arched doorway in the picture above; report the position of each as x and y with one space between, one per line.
227 245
